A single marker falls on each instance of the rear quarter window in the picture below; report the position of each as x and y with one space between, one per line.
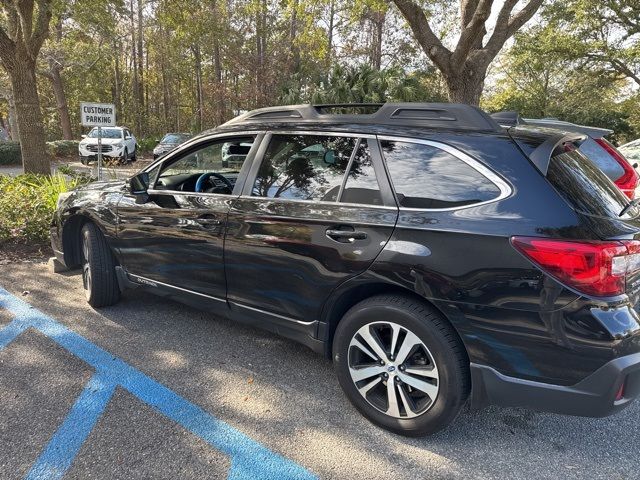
428 177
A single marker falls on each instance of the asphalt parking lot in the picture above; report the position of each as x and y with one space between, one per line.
149 388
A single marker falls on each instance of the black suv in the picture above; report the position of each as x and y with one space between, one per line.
435 256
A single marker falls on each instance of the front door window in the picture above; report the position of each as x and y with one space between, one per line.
209 168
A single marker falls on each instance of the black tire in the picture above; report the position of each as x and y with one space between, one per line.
125 157
134 155
84 161
444 348
98 268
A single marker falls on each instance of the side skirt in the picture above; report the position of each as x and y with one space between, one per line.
299 331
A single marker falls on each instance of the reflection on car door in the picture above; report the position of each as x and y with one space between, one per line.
302 226
177 237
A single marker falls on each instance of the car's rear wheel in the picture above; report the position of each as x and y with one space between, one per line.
98 268
401 364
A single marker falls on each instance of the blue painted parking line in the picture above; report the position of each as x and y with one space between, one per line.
249 459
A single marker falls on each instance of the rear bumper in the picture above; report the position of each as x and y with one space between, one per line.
594 396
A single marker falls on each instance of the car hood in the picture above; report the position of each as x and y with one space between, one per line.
103 186
105 141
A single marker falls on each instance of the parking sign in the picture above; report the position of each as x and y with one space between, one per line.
98 114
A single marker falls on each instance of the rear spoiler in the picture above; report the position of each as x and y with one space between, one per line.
513 119
541 156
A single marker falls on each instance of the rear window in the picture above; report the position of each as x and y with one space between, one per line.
602 159
585 187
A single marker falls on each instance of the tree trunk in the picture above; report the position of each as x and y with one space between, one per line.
55 77
464 85
30 127
13 123
332 14
117 91
377 26
220 87
199 100
134 61
464 91
163 79
140 93
293 40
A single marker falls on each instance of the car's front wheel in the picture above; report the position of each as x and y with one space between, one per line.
401 364
98 268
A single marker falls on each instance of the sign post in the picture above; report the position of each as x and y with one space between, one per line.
98 115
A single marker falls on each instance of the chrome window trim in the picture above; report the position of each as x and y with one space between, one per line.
319 202
199 194
505 189
321 133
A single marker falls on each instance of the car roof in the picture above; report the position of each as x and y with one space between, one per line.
631 144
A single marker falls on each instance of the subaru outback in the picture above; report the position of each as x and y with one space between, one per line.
437 258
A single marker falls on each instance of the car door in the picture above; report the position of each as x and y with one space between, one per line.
302 225
176 238
129 140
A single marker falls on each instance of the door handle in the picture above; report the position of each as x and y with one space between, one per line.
346 236
208 221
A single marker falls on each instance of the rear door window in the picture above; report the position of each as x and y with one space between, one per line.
428 177
362 185
585 187
313 168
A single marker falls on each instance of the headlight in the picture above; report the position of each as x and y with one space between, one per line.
118 145
61 198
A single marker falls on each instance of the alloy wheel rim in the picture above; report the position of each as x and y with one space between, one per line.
393 370
86 271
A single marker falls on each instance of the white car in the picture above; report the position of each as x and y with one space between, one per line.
117 142
631 150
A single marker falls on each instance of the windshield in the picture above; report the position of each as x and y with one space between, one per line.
106 133
174 138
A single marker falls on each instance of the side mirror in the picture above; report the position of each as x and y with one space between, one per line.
138 186
83 136
329 157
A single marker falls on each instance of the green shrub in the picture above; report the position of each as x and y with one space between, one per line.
27 203
10 153
63 148
146 144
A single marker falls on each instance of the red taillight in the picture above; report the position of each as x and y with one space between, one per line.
593 268
620 393
629 180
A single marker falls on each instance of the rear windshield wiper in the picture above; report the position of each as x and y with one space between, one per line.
631 204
